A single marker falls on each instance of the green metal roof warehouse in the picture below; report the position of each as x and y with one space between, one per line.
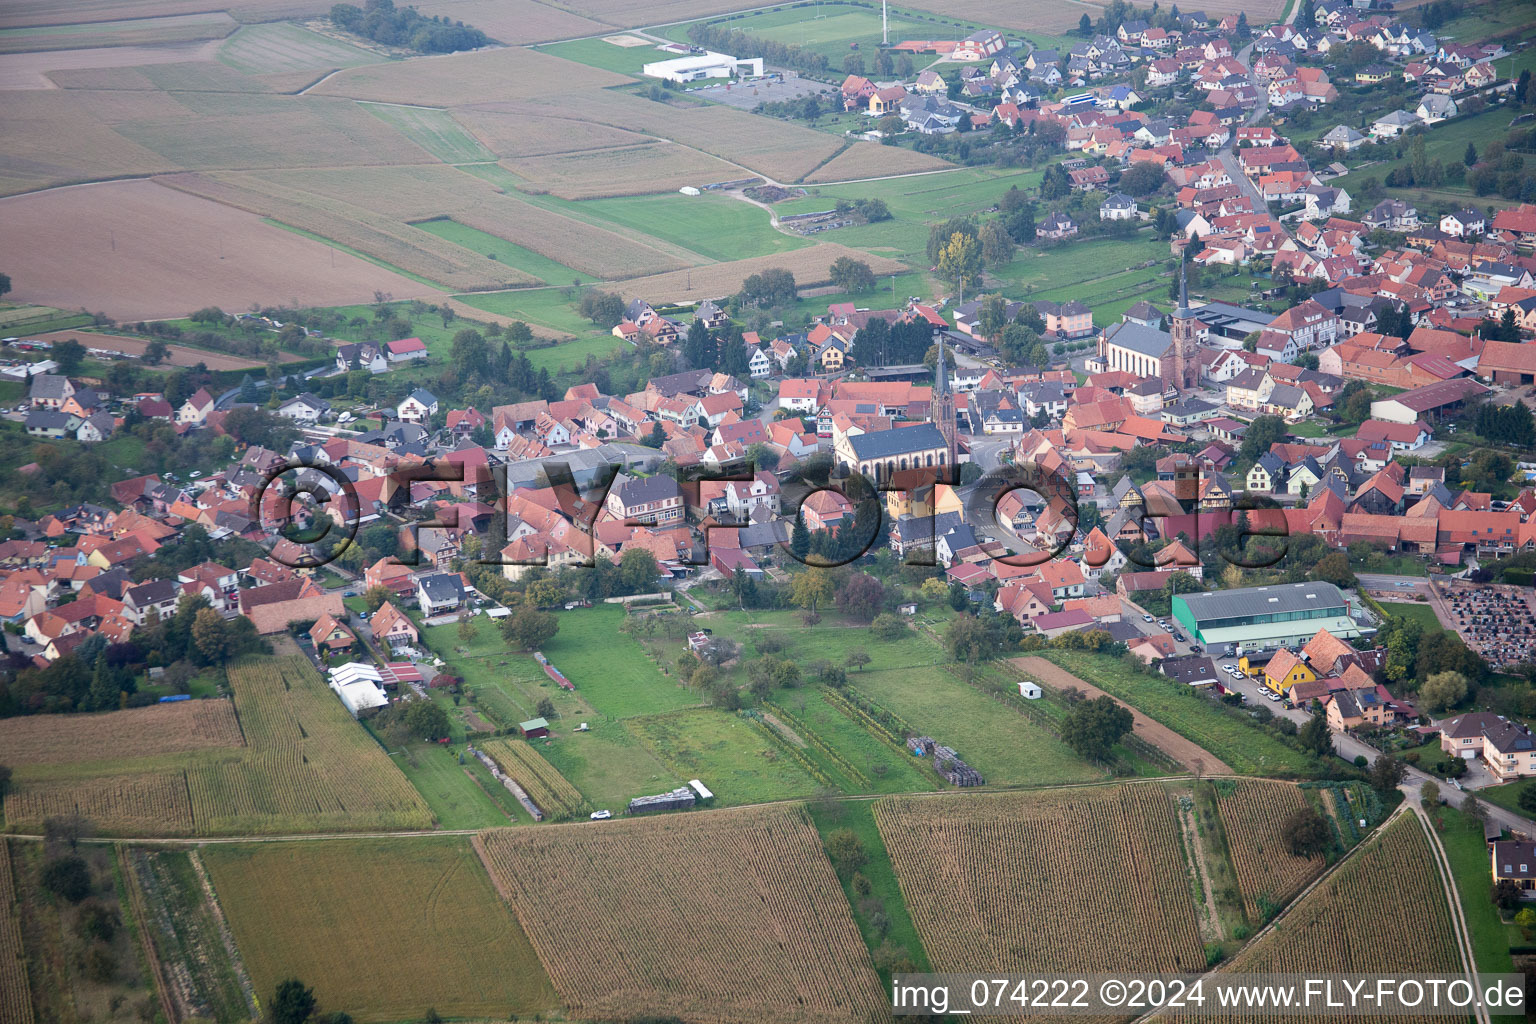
1266 617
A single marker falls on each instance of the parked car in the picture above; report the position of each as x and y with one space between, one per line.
349 593
601 815
1146 618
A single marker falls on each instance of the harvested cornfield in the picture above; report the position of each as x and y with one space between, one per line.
514 21
766 146
730 916
380 198
868 160
180 28
460 79
546 787
1253 814
240 131
636 170
982 874
137 250
115 735
384 927
307 766
310 767
1382 912
15 997
51 138
381 237
811 266
524 134
145 803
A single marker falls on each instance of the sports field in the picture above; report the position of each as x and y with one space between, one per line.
341 915
833 29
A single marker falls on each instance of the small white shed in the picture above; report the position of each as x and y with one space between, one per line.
1029 690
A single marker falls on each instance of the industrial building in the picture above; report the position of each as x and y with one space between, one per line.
705 65
1265 618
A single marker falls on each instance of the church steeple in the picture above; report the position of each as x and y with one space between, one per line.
1183 310
942 412
1185 330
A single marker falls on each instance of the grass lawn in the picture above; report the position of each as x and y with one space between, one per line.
735 757
610 669
1446 142
1309 428
507 686
858 816
914 202
712 225
1248 749
513 255
1462 837
625 60
1508 795
456 798
608 764
1397 565
998 741
1423 614
434 131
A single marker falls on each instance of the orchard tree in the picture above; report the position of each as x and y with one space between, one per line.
1093 727
1306 834
528 628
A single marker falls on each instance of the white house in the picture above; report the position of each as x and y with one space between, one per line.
758 363
1118 207
359 686
439 593
1462 223
305 408
1390 126
418 407
1434 108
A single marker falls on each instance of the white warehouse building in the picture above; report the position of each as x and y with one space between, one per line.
705 65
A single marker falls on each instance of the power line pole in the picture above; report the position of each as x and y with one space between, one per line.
885 26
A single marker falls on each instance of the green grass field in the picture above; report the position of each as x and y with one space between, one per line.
340 915
1462 837
1246 749
858 816
1445 142
1423 614
735 757
625 60
457 799
714 226
608 764
915 203
831 29
610 669
434 131
875 767
283 46
503 251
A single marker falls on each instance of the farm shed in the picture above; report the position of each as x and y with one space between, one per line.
1029 689
701 789
677 799
534 728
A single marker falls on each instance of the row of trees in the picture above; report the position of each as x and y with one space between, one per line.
382 22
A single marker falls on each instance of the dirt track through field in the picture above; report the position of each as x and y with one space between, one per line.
1185 751
178 355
